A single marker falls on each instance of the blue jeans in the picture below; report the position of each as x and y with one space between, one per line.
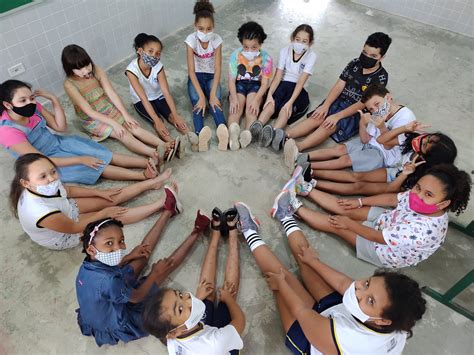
205 82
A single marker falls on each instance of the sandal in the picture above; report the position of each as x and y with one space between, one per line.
150 168
231 218
217 217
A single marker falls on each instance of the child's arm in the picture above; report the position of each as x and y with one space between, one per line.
275 82
157 275
364 121
176 119
390 138
288 107
201 104
344 222
78 100
236 315
337 280
214 102
316 328
113 96
322 111
56 121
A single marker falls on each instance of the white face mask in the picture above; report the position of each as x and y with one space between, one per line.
112 259
299 47
250 55
352 305
50 189
204 37
198 308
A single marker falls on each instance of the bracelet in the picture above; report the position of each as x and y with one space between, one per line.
360 202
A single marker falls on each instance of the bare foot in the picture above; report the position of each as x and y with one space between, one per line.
150 171
174 185
160 179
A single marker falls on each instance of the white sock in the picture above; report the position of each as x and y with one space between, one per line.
253 239
290 225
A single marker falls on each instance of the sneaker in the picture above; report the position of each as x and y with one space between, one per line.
256 130
247 221
202 222
278 139
290 153
296 179
295 203
302 158
282 206
234 132
245 138
184 142
304 188
307 172
222 137
267 136
204 138
194 141
171 202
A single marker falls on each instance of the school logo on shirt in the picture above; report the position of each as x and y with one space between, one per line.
302 66
364 87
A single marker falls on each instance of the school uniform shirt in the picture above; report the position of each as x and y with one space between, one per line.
103 293
394 155
357 82
351 336
208 340
293 69
240 68
149 83
33 208
411 237
204 59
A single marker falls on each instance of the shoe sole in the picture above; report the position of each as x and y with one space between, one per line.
234 132
184 142
204 138
297 171
256 131
274 209
290 150
252 217
222 136
266 136
278 139
177 144
179 206
245 139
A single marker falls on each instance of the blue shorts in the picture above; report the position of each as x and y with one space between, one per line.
245 87
281 96
295 340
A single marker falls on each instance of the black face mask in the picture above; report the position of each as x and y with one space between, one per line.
25 111
367 62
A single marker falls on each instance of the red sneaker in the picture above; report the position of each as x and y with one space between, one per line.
202 222
172 203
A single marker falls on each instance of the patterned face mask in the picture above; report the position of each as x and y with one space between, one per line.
149 60
112 259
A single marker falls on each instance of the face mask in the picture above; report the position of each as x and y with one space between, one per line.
112 259
367 62
416 143
352 305
299 47
198 308
25 111
418 205
250 55
50 189
149 60
383 110
204 37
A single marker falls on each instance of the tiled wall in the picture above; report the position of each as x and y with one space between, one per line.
35 36
453 15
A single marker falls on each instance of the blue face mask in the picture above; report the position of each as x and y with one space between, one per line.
50 189
149 60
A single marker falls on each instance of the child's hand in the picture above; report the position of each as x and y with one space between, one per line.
339 222
330 122
365 118
179 123
204 289
114 212
287 109
200 106
415 126
44 93
348 204
215 103
139 252
227 292
320 113
308 254
161 129
274 280
131 122
379 121
162 268
410 167
119 130
269 101
108 194
234 105
254 106
91 162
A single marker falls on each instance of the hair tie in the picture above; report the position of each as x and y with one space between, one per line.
96 229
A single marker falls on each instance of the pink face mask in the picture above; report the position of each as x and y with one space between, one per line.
418 205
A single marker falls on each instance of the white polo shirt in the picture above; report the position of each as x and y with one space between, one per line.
293 69
149 83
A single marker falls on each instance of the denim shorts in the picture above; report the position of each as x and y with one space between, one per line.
246 87
295 340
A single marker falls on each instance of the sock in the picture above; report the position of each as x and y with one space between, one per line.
253 239
290 225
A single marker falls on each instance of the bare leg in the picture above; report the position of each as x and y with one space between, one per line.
282 120
266 113
135 145
342 162
329 203
315 138
303 128
232 269
250 117
327 153
377 175
180 253
355 188
146 136
209 265
128 161
118 173
235 117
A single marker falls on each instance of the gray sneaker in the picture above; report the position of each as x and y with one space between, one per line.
247 221
267 136
284 205
302 159
278 139
256 130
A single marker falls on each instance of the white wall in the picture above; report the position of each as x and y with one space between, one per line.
452 15
35 36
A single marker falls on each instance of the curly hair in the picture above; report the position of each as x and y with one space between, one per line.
251 30
407 304
203 9
152 316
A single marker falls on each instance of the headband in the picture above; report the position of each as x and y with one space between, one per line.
96 229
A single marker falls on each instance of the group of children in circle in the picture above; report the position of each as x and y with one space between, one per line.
394 164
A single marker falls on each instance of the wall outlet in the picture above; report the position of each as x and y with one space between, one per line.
17 69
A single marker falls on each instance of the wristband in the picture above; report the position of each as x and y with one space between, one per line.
360 202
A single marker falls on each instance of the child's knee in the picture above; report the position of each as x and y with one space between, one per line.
341 149
345 160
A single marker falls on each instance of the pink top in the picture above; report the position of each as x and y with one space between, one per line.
10 136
